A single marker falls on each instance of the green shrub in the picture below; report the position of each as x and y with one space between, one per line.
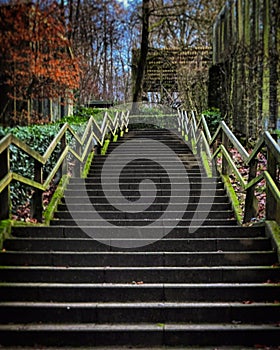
213 118
37 137
84 113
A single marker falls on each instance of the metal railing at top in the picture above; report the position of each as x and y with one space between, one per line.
93 134
196 131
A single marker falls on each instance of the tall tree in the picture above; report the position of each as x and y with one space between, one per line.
35 53
180 24
137 93
100 39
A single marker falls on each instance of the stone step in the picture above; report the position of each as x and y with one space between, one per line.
160 177
125 258
147 335
158 292
101 159
163 245
157 142
129 275
138 223
145 164
150 199
144 215
155 172
152 156
157 177
177 232
140 137
143 148
167 136
127 185
156 207
128 180
145 192
141 312
139 347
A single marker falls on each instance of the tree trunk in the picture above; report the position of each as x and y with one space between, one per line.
138 84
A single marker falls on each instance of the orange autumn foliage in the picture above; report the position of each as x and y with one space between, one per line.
35 53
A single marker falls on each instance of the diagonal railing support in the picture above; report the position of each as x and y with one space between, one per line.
220 143
110 126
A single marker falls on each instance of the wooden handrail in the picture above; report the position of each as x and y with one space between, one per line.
110 126
196 130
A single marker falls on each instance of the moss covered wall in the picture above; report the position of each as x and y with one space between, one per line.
246 49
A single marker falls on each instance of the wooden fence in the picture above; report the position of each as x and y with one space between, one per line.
83 146
194 130
209 147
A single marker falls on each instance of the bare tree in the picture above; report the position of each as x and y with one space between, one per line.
137 93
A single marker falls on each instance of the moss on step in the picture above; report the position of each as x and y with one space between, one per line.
16 223
233 198
206 165
87 165
56 198
194 149
5 231
272 230
105 147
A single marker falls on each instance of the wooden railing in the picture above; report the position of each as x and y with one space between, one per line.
93 135
196 131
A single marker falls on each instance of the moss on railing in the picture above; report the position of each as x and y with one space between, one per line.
48 214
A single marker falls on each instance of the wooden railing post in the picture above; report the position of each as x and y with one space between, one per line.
215 144
251 209
78 165
64 166
5 194
225 166
37 198
271 203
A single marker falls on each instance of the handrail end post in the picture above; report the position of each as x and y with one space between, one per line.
5 194
5 204
251 202
271 203
36 211
251 205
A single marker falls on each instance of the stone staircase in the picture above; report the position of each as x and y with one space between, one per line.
194 278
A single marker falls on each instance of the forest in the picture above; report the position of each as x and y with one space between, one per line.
58 54
82 50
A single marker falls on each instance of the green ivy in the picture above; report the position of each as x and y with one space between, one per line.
84 113
38 137
213 118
